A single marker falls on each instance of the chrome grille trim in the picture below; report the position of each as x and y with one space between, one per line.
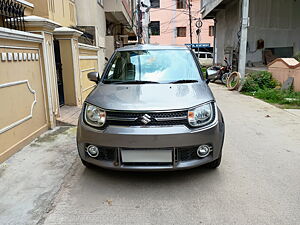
121 118
171 118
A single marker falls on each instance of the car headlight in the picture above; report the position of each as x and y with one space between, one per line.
94 116
201 115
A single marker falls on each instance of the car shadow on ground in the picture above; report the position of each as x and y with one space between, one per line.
90 186
144 178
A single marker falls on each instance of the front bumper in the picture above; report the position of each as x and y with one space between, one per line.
182 140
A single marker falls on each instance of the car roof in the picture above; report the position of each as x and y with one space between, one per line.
151 47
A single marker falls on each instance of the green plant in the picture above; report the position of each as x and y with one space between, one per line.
259 80
279 96
204 71
297 56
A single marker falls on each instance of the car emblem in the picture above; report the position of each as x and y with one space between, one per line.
146 119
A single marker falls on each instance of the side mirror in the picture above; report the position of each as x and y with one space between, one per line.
93 76
207 81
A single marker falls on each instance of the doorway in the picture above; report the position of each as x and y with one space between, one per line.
59 71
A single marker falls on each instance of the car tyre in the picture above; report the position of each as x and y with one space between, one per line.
214 164
224 78
87 164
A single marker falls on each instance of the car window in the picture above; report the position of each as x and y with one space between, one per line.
153 65
202 56
209 56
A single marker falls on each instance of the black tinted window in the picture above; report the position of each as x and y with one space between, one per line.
155 27
155 3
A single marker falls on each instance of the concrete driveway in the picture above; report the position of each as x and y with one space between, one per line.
257 183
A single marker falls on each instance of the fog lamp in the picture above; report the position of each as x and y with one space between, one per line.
92 151
203 151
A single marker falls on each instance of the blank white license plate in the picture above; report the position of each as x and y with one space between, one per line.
146 156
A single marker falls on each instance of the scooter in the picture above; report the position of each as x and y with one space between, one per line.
219 72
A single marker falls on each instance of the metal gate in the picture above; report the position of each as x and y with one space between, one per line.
59 70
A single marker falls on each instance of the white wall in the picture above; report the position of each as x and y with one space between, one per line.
209 5
92 14
277 22
145 22
227 28
110 46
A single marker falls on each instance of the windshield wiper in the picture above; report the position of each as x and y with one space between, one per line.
184 81
131 82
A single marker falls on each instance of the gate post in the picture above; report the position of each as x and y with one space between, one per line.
68 42
45 27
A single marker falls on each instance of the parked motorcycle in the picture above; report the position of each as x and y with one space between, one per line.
219 72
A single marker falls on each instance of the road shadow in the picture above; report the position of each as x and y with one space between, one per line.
90 186
153 178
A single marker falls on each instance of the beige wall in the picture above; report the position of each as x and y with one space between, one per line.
69 58
281 72
51 67
60 11
88 63
23 114
297 79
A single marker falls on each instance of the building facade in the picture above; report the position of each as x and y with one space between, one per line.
46 50
252 32
170 23
62 12
120 24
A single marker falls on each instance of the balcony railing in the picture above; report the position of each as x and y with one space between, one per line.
12 15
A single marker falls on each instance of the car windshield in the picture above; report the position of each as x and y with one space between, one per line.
153 66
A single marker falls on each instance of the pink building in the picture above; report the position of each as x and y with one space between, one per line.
170 23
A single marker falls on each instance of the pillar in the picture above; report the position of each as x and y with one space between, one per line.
69 52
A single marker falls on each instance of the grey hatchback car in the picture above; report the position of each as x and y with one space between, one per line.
151 110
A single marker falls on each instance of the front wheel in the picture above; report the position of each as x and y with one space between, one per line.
224 78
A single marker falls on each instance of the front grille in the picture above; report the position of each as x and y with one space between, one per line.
152 123
188 153
107 154
121 114
154 119
182 154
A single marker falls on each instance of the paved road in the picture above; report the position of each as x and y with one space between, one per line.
257 183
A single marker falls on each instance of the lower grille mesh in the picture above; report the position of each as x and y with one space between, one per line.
188 153
107 154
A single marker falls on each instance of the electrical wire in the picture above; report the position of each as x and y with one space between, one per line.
172 21
166 30
173 18
157 9
177 10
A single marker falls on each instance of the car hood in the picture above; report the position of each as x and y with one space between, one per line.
144 97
